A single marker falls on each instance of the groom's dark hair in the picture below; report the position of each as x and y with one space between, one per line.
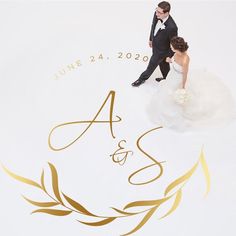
165 6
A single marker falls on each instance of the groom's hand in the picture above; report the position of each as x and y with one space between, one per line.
150 44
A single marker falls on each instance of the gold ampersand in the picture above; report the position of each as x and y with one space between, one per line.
120 157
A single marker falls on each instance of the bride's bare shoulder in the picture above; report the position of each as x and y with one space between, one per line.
186 59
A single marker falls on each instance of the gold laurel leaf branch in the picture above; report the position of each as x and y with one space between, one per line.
156 203
182 179
99 223
41 204
55 183
55 202
53 212
143 221
35 184
21 179
78 206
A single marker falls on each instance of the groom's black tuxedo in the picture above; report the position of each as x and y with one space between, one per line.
160 47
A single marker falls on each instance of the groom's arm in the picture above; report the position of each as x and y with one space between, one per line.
172 32
154 22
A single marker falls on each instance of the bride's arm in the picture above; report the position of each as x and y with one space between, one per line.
185 71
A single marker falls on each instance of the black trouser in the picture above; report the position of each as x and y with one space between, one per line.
156 59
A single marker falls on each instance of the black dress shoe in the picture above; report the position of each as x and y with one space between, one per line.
138 82
159 79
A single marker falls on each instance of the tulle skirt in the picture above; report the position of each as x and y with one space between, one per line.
209 103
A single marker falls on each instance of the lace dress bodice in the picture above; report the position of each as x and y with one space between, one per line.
176 70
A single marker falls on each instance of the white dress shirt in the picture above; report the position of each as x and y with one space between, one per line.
159 25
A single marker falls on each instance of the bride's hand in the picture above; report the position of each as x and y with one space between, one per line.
168 60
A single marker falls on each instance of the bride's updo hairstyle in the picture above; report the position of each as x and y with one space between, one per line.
179 44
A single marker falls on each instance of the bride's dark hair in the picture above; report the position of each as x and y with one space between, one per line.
179 44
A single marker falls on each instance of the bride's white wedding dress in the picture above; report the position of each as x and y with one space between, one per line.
208 104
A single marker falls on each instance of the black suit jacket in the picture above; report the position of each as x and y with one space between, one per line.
161 41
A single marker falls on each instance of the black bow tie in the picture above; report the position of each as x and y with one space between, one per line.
161 20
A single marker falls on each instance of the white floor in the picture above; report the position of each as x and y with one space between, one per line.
58 63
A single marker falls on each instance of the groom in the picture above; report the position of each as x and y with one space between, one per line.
163 29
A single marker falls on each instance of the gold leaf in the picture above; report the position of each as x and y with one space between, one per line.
42 181
205 171
99 223
181 179
41 204
77 206
143 222
52 212
176 203
21 179
123 212
147 203
55 183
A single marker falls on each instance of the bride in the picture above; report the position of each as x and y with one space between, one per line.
190 100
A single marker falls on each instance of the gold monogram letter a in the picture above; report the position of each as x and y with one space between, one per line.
89 122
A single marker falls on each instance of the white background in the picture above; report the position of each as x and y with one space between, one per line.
39 39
